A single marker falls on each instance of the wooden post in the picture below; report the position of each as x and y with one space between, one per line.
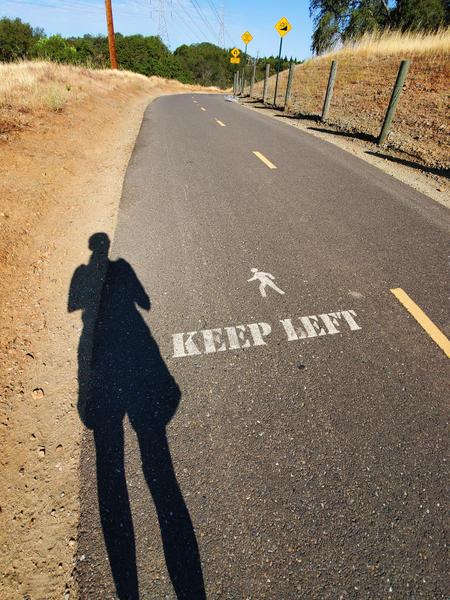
244 70
330 86
111 37
266 82
278 73
253 78
289 86
401 76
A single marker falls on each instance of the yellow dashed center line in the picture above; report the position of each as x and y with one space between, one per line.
201 108
435 334
220 123
265 160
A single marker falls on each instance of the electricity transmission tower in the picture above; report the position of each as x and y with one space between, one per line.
159 7
222 25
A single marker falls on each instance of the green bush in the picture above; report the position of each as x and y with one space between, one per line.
55 48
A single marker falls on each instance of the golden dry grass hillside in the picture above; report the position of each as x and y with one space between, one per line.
366 73
30 90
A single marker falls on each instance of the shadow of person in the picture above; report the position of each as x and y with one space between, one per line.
121 372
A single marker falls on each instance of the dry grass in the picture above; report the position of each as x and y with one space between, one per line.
389 43
32 88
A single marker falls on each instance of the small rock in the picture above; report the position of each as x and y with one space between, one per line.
38 393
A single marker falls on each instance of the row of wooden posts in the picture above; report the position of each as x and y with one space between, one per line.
239 87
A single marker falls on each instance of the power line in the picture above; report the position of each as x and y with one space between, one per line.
191 29
205 20
199 11
214 9
158 7
193 20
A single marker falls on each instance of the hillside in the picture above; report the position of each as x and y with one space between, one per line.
365 77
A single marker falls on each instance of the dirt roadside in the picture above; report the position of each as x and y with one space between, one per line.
60 182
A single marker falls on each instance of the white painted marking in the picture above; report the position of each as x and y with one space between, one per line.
213 340
238 337
266 280
195 102
310 326
201 108
265 160
220 123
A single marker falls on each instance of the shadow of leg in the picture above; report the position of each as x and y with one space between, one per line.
115 513
177 532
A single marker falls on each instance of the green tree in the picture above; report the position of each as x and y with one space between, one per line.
92 50
424 15
17 39
326 32
206 64
140 53
55 48
367 16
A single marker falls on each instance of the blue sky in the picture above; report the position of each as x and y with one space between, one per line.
184 23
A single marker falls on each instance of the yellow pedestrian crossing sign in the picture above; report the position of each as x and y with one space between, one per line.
283 26
246 37
235 52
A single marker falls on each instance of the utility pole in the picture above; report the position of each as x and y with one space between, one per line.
111 38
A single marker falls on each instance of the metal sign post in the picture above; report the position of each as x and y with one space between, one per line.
283 27
246 38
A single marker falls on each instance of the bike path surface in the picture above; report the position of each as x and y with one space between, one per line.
247 446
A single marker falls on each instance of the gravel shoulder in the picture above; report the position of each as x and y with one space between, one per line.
434 183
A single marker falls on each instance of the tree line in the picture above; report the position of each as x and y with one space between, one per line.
337 21
203 64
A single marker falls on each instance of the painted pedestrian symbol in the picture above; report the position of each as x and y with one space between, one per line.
266 280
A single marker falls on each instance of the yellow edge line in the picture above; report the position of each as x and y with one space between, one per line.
265 160
435 334
220 123
201 107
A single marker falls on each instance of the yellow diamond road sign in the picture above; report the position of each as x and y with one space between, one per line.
283 26
246 37
235 52
235 61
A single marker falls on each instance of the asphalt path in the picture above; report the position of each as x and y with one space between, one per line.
243 446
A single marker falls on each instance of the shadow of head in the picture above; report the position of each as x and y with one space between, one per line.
99 243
